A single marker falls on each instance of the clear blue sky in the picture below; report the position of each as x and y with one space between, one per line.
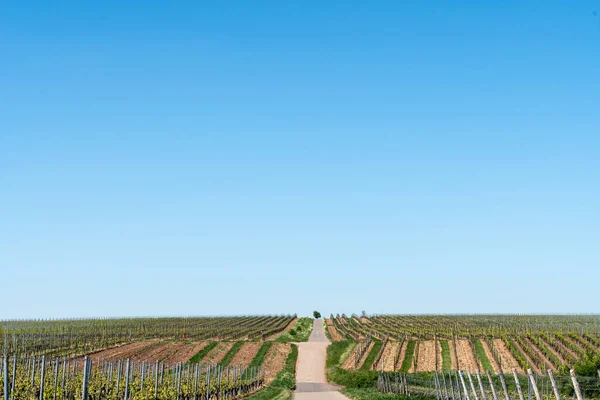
180 158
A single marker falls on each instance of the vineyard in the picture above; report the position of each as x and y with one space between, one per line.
477 343
142 358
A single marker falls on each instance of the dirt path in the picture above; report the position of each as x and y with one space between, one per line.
311 383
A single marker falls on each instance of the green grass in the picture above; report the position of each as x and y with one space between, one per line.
480 353
281 388
408 356
372 394
262 353
337 352
231 353
202 353
286 378
271 393
446 357
372 355
299 333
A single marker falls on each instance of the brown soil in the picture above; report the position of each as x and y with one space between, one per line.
529 360
365 320
566 348
184 352
246 353
440 359
427 356
417 348
556 353
488 353
466 359
402 354
506 358
333 332
287 329
453 360
539 353
389 354
124 351
349 363
275 360
159 352
216 355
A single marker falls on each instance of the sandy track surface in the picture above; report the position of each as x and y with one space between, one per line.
246 353
466 359
427 356
488 353
311 383
506 358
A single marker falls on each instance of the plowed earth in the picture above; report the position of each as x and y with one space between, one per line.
506 358
246 353
275 360
427 356
466 359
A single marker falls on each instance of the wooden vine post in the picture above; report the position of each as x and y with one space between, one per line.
554 385
533 384
576 385
516 376
494 394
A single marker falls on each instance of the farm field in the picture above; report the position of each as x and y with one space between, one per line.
160 358
411 343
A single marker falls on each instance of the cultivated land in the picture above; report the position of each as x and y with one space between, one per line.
160 358
469 343
256 357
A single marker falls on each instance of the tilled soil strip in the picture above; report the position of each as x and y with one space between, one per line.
507 359
216 355
184 352
529 360
349 363
333 332
489 355
556 353
466 359
539 353
427 356
123 351
389 354
246 353
275 360
453 360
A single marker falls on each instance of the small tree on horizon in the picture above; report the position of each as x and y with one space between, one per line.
316 314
